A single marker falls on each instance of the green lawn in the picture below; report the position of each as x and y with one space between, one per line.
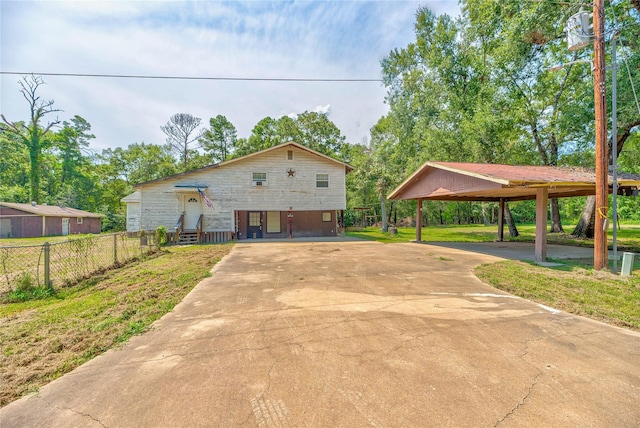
43 339
628 237
69 259
573 287
10 242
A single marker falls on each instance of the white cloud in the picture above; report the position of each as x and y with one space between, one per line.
213 39
323 109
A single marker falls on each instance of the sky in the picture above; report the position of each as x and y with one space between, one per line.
252 39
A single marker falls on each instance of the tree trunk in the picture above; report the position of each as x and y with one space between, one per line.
556 223
383 206
485 221
584 228
34 174
513 230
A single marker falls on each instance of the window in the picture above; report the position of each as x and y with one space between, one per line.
322 180
273 221
259 178
192 200
326 216
79 220
254 219
290 154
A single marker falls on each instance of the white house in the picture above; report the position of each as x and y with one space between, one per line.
266 194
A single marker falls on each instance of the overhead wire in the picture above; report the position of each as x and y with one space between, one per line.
221 78
624 58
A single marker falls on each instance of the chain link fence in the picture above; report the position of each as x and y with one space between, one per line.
63 263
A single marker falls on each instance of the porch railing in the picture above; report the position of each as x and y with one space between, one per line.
179 227
199 228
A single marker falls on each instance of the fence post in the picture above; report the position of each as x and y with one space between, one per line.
115 248
47 273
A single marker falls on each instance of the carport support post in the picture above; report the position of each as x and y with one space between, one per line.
419 221
542 199
501 220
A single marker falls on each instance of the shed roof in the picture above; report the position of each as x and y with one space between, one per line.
50 210
460 181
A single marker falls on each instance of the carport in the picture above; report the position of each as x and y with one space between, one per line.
460 181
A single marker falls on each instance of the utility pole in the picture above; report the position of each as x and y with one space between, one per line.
600 252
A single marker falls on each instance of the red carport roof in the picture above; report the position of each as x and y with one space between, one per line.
459 181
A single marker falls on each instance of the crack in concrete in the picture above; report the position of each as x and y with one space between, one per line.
86 415
522 401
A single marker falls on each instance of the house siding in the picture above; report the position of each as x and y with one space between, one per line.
230 188
305 224
28 225
133 216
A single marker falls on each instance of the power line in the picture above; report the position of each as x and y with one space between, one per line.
141 76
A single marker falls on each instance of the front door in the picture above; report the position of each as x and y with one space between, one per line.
65 226
192 211
255 225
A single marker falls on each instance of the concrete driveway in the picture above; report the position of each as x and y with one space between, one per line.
352 334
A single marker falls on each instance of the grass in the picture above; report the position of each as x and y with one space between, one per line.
465 233
69 259
9 242
628 237
44 339
572 287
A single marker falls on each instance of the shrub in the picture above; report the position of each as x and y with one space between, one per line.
26 289
161 235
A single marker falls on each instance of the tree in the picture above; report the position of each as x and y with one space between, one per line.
137 163
263 135
182 131
311 129
628 110
444 102
70 142
219 141
552 108
14 168
316 131
119 169
33 135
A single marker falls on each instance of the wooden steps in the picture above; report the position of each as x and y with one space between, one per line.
188 237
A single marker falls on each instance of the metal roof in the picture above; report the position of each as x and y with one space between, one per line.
50 210
460 181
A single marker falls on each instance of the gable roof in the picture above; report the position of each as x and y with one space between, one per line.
134 197
50 210
491 182
348 168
